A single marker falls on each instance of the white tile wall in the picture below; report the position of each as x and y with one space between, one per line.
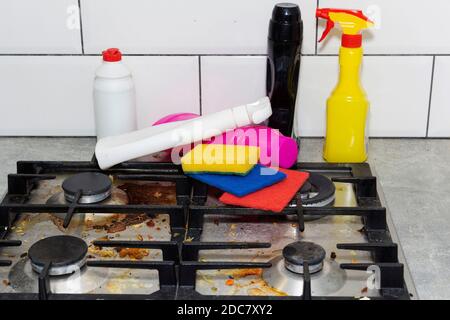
39 26
397 87
185 26
231 81
439 125
46 95
164 85
52 95
46 62
402 26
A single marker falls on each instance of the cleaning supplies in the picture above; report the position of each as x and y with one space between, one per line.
274 198
347 107
220 159
113 150
258 178
114 97
276 150
283 64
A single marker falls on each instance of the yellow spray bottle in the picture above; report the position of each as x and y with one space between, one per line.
347 107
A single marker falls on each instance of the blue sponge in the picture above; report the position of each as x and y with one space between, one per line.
258 178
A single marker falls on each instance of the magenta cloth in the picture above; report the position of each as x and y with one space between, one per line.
287 149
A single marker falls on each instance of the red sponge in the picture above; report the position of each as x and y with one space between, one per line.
273 198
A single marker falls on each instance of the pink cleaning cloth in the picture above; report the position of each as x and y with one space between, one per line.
276 150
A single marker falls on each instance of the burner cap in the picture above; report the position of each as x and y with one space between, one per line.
318 191
324 283
66 253
94 186
297 253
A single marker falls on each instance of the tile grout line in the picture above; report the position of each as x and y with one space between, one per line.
81 27
317 30
431 95
217 55
200 84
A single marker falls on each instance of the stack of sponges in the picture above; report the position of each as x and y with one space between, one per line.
234 169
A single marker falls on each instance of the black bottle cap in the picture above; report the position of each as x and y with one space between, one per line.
286 13
286 23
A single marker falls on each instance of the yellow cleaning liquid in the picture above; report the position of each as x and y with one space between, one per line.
347 107
347 110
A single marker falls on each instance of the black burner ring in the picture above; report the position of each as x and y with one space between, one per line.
321 185
60 251
297 253
94 187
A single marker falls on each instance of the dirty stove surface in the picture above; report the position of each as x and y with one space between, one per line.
279 231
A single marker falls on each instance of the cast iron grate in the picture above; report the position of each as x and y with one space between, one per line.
8 243
180 259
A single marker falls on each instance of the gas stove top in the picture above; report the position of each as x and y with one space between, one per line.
144 230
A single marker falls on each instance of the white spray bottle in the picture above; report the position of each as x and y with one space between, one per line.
113 150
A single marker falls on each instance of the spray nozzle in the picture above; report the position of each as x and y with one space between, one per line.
351 21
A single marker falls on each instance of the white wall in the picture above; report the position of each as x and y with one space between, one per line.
206 55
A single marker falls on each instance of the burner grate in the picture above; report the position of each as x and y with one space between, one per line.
177 271
8 243
189 264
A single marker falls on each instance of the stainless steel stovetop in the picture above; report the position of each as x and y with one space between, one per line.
132 186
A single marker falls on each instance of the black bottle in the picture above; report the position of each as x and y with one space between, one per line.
283 64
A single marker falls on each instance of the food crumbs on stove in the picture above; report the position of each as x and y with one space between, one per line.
113 288
229 282
241 273
158 228
23 255
214 289
157 195
105 253
362 230
133 253
364 290
140 237
150 223
333 255
6 282
216 222
163 220
149 237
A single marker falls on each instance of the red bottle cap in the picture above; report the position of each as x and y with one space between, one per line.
351 41
112 55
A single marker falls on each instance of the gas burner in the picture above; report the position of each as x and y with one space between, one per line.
94 187
318 191
114 196
297 253
67 254
286 273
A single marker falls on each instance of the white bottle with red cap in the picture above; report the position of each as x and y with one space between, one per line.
114 96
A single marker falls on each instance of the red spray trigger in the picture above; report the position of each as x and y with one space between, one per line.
351 21
325 14
330 25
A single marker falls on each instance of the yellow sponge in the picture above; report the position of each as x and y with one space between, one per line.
220 159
